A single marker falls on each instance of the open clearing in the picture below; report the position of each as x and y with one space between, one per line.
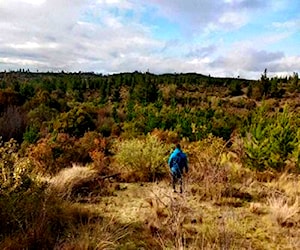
190 221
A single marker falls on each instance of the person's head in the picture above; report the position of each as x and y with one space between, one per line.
178 146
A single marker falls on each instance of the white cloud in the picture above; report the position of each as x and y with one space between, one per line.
287 64
207 15
291 25
33 2
117 35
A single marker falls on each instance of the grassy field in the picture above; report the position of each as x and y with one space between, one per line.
236 209
224 206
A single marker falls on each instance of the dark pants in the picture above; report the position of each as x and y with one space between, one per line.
177 179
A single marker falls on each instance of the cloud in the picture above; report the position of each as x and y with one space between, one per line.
290 25
52 36
202 51
286 64
125 35
207 15
246 59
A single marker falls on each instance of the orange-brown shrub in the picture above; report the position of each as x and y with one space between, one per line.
52 153
90 142
166 136
55 152
98 149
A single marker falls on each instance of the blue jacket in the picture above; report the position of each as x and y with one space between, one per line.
178 162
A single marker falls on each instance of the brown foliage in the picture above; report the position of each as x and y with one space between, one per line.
53 153
9 98
12 123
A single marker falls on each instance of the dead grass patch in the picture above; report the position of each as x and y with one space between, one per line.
102 234
283 211
80 182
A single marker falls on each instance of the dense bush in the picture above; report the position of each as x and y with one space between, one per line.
205 157
14 170
271 139
49 155
58 151
142 159
75 122
31 134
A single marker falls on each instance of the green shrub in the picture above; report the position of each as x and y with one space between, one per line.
31 135
235 88
75 122
271 139
14 170
143 159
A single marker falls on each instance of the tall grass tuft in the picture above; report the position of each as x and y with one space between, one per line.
32 220
99 233
72 182
281 211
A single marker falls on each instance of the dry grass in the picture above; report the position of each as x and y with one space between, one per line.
177 222
166 218
282 211
257 208
71 183
288 184
224 206
99 233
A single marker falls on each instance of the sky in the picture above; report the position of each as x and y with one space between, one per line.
222 38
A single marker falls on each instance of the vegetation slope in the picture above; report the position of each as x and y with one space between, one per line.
83 161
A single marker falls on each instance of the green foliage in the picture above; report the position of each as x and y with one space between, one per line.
265 88
294 82
146 91
194 124
271 139
14 170
75 122
191 105
235 88
27 90
40 115
143 159
31 135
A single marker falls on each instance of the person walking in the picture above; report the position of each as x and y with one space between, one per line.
178 163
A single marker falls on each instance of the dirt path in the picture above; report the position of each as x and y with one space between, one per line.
133 202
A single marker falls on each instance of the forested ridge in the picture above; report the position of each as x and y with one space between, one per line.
73 102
